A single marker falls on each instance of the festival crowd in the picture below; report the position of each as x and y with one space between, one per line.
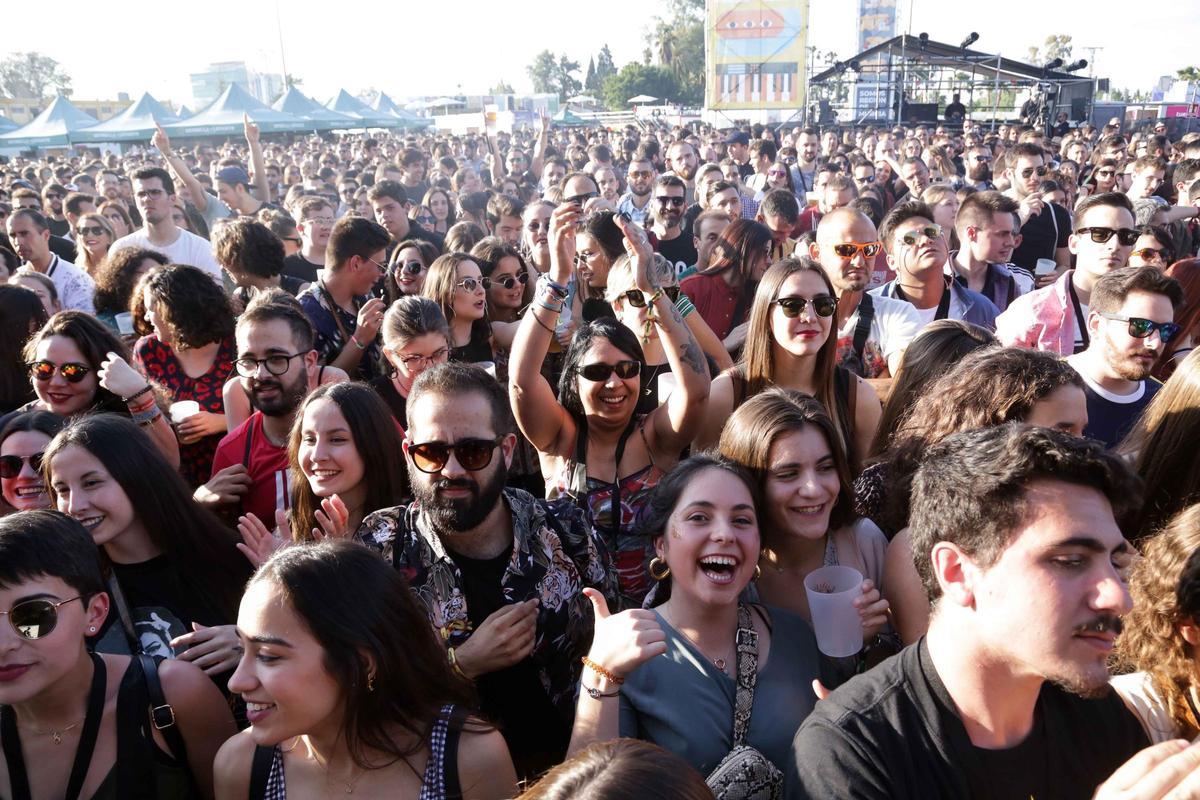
660 462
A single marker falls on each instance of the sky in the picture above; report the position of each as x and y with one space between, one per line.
410 48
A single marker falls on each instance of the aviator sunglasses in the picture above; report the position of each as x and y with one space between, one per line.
33 619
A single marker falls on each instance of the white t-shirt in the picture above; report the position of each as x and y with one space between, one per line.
893 327
188 249
74 286
1141 698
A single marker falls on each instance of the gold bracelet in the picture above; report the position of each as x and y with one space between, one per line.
454 665
599 670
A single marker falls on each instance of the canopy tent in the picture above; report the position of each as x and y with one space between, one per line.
51 128
184 112
583 99
7 124
366 117
320 118
642 98
569 120
224 117
135 123
385 105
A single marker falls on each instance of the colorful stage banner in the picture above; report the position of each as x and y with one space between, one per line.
755 54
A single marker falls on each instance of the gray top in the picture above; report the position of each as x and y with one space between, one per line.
683 703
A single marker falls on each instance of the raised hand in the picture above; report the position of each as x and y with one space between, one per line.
119 378
624 641
258 543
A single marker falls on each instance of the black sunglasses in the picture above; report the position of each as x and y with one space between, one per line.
1141 328
823 304
600 372
411 267
1127 237
90 231
510 281
471 454
637 299
33 619
670 201
10 466
581 198
72 371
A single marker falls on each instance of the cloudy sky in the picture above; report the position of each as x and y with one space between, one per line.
411 48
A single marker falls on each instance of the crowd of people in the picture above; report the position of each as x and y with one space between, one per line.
498 465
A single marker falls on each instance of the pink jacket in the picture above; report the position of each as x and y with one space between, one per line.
1044 319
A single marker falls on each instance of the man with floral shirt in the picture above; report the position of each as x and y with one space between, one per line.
499 571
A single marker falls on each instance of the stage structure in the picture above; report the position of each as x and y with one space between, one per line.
931 72
755 54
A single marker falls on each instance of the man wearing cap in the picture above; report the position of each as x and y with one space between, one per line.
737 146
233 187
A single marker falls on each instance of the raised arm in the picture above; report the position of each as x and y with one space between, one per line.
178 166
258 164
539 150
542 419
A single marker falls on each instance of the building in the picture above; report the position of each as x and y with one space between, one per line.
21 110
208 85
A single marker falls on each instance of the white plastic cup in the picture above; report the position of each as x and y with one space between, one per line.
666 385
831 594
1045 266
184 409
124 323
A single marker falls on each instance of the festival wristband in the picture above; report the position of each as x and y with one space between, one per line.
599 670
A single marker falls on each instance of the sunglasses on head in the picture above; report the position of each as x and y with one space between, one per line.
600 371
72 371
1127 237
90 231
823 305
510 281
471 454
928 231
1141 328
33 619
670 201
10 466
850 249
471 284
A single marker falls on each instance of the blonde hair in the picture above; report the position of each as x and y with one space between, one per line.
621 278
103 222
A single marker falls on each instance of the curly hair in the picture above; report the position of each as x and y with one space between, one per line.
191 303
118 275
1165 585
247 246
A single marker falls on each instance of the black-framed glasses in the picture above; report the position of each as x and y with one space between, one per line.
822 304
510 281
931 232
471 284
600 372
471 454
1141 328
91 231
416 361
72 371
33 619
10 466
247 367
1029 172
581 198
677 202
1127 237
851 249
411 267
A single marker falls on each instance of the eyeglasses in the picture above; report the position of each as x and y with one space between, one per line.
411 267
581 198
145 193
851 249
1141 328
54 196
10 466
72 371
866 179
1105 173
1127 237
416 360
510 281
822 304
1148 254
425 219
471 284
247 366
931 232
91 231
471 454
599 371
33 619
671 201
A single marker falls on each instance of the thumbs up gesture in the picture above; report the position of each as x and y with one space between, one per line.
623 641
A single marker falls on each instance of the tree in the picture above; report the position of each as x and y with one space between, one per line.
1188 74
1056 46
564 79
502 87
32 76
551 75
541 72
635 79
677 43
605 65
589 81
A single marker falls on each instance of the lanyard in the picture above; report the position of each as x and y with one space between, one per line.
1080 322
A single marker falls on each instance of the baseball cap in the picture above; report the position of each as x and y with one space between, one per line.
233 176
738 137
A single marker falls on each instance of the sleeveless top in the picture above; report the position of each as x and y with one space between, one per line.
439 782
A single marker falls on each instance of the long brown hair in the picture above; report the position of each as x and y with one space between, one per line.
440 288
1165 585
739 247
1163 444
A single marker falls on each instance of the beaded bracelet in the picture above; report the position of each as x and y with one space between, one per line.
144 390
599 670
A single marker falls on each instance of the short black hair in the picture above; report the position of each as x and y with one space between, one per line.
146 173
900 214
386 188
354 236
42 543
453 379
1114 286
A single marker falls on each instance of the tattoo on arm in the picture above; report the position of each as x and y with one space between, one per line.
692 356
675 315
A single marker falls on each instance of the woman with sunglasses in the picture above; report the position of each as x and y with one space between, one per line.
78 366
1153 248
77 724
174 570
349 691
118 218
415 337
421 216
779 176
94 235
22 444
594 445
511 289
456 283
791 342
437 200
190 355
408 267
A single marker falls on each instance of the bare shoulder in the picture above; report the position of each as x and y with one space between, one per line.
186 684
485 768
231 768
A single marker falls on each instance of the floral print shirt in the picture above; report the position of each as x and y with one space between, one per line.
555 554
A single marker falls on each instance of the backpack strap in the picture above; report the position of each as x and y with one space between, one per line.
747 675
862 331
161 712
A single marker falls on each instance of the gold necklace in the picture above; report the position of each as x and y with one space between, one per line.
719 663
57 735
347 785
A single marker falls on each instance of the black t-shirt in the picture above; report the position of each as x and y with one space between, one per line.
396 403
1042 235
1110 421
64 248
297 266
680 251
58 227
513 697
894 732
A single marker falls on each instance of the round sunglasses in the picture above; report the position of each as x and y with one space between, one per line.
33 619
471 284
471 454
599 372
510 281
10 466
72 371
823 305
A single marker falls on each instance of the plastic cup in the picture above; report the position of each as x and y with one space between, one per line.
124 323
831 594
1045 266
487 366
184 409
666 385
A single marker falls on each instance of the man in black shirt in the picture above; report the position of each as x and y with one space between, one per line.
1015 537
669 237
391 203
1044 226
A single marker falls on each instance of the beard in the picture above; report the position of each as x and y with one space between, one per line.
634 191
981 173
1124 364
1088 681
459 514
287 402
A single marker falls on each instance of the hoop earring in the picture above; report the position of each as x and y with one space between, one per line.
370 682
757 572
659 569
